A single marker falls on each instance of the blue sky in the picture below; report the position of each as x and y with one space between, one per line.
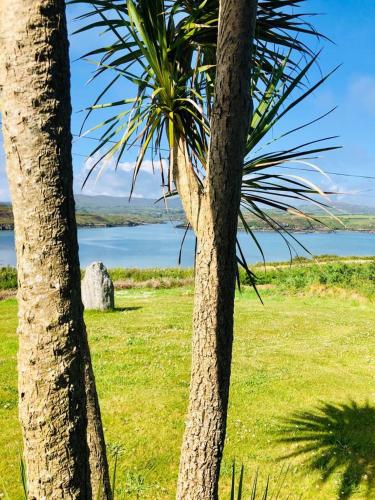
350 24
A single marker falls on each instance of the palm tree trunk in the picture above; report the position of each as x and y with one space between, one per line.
99 472
211 363
216 231
56 404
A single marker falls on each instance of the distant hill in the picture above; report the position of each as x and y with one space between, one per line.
117 204
341 208
108 211
355 209
6 216
120 205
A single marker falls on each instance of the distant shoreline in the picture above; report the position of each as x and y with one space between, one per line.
89 226
10 227
102 212
300 231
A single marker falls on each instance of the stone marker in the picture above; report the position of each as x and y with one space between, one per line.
97 288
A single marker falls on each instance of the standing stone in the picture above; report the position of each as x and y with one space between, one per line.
97 288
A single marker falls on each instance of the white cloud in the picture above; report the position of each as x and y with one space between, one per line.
109 182
106 180
147 166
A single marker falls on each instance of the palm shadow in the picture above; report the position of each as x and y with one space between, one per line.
124 309
336 439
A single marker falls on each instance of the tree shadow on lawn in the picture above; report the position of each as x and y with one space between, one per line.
333 439
125 309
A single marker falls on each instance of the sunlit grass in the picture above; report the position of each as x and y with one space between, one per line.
290 355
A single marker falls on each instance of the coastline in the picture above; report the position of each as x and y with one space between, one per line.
10 227
297 230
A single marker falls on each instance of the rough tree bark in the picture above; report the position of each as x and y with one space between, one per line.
213 213
63 439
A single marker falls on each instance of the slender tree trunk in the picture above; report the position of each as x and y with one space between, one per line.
99 473
58 403
216 230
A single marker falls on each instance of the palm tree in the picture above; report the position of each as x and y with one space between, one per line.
188 96
214 216
57 398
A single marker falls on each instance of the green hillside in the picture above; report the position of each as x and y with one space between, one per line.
99 213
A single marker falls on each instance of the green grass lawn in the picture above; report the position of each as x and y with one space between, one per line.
291 355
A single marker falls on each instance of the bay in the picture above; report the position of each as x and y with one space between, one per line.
158 245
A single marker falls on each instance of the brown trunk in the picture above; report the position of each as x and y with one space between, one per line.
53 358
211 360
216 231
99 473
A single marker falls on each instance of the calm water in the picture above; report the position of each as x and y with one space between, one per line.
158 246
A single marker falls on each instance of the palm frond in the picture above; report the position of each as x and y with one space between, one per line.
167 51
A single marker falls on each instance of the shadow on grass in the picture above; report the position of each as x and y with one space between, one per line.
124 309
336 439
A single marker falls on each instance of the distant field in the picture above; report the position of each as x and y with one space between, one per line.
130 216
346 223
154 215
298 351
330 273
6 216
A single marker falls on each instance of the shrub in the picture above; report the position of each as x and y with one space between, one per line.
359 277
8 278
